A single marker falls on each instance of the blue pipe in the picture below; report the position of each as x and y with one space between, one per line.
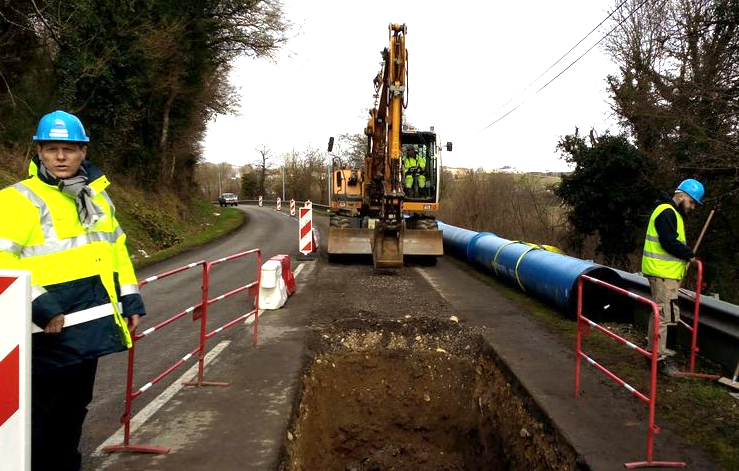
549 276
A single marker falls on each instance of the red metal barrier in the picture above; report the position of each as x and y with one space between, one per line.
251 288
130 394
583 325
694 328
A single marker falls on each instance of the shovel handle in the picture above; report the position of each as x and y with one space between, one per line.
703 231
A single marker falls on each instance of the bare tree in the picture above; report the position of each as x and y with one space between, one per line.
262 164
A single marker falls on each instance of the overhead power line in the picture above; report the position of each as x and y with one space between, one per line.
631 13
560 59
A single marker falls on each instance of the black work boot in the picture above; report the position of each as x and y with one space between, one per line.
667 368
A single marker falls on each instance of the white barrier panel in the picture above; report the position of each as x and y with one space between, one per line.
272 289
15 370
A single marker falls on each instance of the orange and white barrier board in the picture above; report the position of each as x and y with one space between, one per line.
15 370
292 207
306 230
279 204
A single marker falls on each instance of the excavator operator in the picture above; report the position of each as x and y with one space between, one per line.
414 167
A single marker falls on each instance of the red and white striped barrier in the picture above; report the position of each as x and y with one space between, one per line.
292 207
584 325
279 204
260 201
308 204
199 312
15 370
305 243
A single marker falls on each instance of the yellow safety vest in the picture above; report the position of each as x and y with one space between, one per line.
656 261
86 270
409 163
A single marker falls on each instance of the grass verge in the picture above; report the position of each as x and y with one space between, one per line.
229 220
698 410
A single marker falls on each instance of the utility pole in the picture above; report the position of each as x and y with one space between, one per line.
283 183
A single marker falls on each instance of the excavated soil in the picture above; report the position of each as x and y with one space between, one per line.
415 394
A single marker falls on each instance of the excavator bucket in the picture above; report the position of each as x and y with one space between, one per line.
423 242
349 241
387 248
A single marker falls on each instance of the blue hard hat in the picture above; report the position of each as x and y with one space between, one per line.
60 126
692 188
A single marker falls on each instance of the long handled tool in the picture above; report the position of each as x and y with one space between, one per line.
697 245
703 231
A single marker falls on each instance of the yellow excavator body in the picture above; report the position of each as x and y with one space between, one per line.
386 208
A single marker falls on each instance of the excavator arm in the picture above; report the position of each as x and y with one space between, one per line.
385 124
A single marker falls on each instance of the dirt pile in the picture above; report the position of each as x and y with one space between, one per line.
418 394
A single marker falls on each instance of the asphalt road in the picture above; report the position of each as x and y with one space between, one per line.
266 229
243 426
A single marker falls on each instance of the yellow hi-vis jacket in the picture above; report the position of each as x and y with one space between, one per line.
656 261
86 275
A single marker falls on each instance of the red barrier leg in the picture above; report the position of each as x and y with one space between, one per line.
126 446
203 337
694 329
578 338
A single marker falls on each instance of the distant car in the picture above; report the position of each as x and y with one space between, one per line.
228 199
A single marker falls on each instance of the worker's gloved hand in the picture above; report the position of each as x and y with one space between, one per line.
692 260
55 325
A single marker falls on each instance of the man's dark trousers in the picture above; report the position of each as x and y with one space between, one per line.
58 408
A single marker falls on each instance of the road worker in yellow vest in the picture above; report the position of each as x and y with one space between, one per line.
414 166
60 225
665 259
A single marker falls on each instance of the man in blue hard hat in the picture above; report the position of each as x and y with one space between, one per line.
60 225
665 259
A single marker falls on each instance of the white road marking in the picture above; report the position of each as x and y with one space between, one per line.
431 281
151 408
298 270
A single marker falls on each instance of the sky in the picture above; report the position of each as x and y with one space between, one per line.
466 60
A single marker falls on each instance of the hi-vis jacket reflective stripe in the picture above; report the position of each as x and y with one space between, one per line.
73 270
656 261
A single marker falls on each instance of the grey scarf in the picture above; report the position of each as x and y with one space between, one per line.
77 189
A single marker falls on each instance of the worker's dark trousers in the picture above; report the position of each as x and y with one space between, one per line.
58 409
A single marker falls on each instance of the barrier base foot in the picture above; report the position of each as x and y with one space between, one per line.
697 375
156 450
655 464
206 383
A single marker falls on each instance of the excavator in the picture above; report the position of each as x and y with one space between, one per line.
386 207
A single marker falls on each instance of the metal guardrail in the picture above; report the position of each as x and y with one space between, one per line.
274 202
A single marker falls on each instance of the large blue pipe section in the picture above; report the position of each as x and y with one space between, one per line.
549 276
